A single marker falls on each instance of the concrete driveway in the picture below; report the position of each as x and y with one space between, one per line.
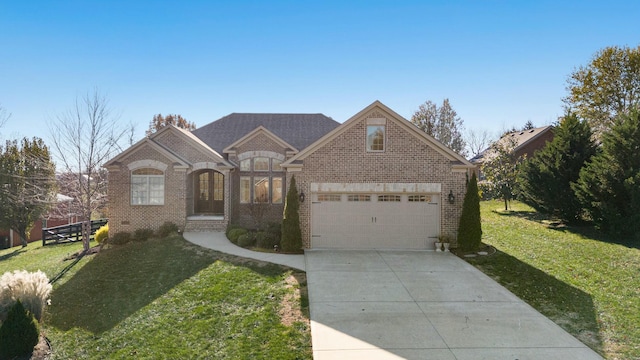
422 305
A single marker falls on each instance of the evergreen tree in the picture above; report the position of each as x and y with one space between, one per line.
19 333
609 186
27 184
470 227
545 179
291 240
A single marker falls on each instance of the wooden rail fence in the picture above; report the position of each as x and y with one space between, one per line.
69 233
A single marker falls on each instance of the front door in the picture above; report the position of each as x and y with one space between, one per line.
209 192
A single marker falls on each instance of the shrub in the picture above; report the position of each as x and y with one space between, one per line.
234 234
19 334
470 228
166 229
142 234
267 241
102 234
291 239
231 227
120 238
32 289
246 240
274 230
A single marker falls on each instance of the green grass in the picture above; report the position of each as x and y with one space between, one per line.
582 280
167 299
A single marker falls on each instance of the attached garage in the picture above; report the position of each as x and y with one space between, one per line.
375 220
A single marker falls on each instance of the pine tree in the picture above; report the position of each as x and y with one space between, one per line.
470 227
443 123
609 186
291 240
19 333
545 179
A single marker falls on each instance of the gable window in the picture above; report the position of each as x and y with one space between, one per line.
245 165
261 164
375 137
147 187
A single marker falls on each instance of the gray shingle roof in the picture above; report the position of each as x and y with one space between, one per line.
299 130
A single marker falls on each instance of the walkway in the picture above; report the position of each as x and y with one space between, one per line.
218 241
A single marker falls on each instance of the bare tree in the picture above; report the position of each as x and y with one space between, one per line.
477 141
443 123
84 138
159 121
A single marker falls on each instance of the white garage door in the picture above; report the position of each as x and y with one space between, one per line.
374 221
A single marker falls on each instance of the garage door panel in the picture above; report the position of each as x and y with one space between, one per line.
378 223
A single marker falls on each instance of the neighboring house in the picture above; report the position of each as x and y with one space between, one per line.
56 216
526 143
375 181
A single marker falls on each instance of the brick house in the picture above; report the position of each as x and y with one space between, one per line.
375 181
526 143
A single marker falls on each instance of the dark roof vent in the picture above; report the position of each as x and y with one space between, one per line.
522 132
532 130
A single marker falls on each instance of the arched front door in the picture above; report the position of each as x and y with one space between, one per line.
209 192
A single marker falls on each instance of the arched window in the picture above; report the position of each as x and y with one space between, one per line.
147 187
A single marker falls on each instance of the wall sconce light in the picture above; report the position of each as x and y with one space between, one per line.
451 197
302 196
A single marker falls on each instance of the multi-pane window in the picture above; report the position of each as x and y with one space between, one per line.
329 197
359 198
245 165
147 187
276 190
275 165
419 198
375 137
389 198
260 164
261 189
245 189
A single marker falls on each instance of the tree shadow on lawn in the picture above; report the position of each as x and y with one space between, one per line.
585 230
569 307
121 280
14 253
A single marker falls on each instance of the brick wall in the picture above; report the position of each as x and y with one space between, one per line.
126 217
406 159
242 213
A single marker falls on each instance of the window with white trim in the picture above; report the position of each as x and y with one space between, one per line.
245 165
245 189
261 189
375 137
260 164
275 164
147 187
276 190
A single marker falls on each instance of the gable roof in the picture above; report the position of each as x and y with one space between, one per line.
168 153
257 131
456 159
520 138
299 130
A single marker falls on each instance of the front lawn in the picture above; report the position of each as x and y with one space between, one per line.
586 283
168 299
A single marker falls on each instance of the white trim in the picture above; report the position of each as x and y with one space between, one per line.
259 153
434 188
147 163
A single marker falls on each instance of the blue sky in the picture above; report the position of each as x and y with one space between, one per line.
500 63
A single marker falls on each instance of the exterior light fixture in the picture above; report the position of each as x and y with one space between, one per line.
451 197
302 196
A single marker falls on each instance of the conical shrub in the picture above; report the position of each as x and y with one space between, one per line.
19 334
